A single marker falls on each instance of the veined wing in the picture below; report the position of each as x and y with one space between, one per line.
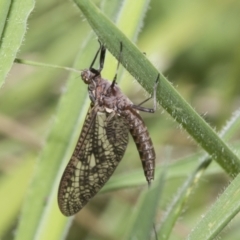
99 149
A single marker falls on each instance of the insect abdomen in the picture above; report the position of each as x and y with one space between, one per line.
143 142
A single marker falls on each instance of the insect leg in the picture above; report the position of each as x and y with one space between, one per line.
120 56
102 51
102 57
150 110
95 57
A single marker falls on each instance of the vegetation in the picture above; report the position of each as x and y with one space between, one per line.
195 44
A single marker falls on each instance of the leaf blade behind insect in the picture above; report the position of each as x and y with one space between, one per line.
144 221
40 207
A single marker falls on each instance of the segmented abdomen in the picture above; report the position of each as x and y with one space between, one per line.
143 142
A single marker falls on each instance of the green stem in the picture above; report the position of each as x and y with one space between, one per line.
39 64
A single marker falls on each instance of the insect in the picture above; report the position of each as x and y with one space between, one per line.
103 139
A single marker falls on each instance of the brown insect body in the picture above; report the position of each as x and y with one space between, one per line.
103 141
112 99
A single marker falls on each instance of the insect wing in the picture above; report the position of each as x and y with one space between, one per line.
100 148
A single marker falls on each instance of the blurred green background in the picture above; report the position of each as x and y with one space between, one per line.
196 44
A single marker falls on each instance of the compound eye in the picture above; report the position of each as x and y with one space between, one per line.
86 76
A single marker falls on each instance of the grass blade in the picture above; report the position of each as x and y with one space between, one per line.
14 15
138 65
220 214
57 150
144 219
176 207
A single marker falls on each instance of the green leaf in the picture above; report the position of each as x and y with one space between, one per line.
228 204
176 207
13 25
178 203
146 211
220 214
140 67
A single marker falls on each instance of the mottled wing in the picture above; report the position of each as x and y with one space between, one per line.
100 148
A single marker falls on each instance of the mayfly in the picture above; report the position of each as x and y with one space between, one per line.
103 139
